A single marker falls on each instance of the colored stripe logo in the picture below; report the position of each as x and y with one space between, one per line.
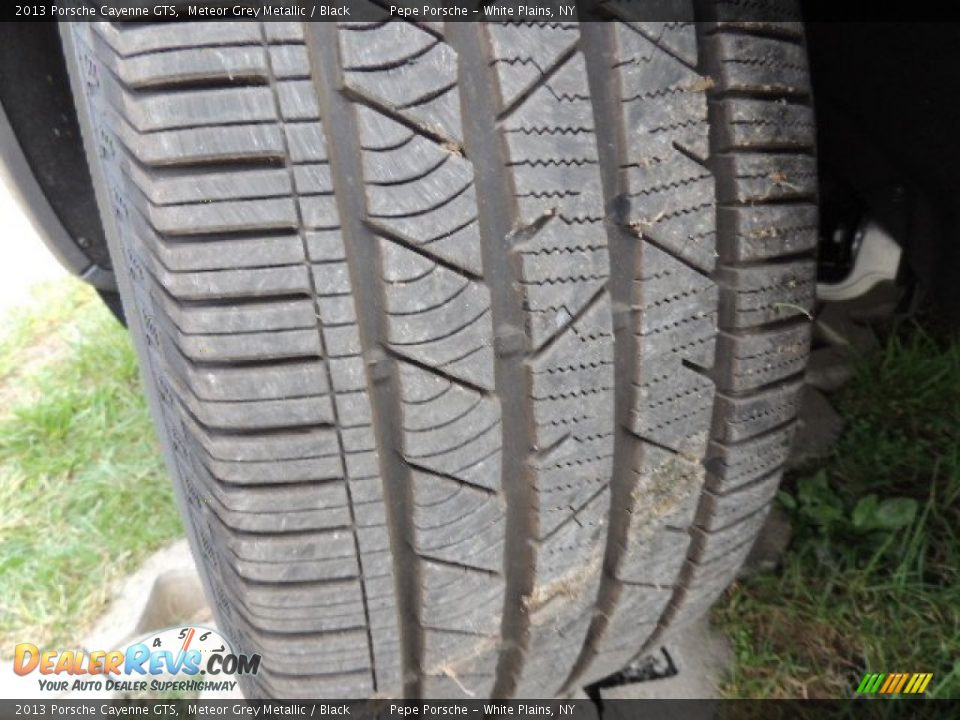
894 683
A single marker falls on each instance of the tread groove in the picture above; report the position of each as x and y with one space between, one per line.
483 144
336 422
362 254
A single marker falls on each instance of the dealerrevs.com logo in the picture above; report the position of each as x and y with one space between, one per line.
186 659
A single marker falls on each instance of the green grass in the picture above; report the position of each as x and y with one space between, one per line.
26 332
869 583
83 494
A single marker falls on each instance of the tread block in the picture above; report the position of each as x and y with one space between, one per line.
676 323
229 65
289 61
569 560
203 145
767 66
339 652
552 152
230 480
420 190
293 509
762 124
197 108
767 177
405 69
670 193
654 557
672 204
291 445
326 500
259 415
273 601
746 417
209 254
570 475
223 217
307 557
712 544
752 360
461 600
562 268
635 615
524 52
720 510
459 664
296 99
664 100
677 36
763 294
705 582
730 466
246 318
673 410
277 471
436 316
285 521
457 523
237 284
581 407
559 633
244 347
559 605
761 232
130 40
450 429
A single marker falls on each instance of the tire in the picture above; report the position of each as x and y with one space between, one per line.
474 349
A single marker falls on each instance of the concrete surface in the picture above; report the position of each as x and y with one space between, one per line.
24 259
701 657
165 591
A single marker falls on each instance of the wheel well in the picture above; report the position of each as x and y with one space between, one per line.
36 98
886 138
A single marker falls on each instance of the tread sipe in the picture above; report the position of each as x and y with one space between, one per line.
474 348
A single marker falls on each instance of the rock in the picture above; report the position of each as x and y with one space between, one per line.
818 427
771 544
829 369
834 326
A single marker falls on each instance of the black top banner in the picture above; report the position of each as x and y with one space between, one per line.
766 13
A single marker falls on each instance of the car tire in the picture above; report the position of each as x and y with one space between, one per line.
473 349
